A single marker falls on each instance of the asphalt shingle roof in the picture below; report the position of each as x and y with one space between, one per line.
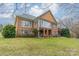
27 16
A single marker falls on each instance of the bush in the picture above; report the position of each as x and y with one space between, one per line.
64 32
9 31
35 31
1 26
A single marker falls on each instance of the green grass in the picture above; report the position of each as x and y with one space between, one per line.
42 46
39 46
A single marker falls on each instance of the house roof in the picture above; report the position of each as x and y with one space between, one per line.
27 16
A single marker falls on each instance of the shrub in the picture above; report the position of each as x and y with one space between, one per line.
35 31
64 32
1 26
9 31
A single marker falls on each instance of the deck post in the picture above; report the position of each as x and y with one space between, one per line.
43 32
47 33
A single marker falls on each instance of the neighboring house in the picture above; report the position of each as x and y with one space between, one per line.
45 23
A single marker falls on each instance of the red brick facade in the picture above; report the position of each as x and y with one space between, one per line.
45 31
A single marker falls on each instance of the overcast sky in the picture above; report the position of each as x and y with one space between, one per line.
60 11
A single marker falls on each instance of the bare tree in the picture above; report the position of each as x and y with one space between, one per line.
69 21
75 29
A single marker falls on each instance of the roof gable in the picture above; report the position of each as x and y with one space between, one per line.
48 16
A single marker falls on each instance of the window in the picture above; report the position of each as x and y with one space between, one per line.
54 26
24 32
45 24
26 23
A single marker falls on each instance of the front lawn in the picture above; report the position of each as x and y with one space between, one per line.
42 46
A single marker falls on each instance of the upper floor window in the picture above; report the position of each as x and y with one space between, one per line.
54 26
45 24
26 23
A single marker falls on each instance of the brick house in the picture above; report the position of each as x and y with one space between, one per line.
45 24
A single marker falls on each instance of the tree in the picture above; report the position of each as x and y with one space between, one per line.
9 31
73 26
64 32
75 29
69 19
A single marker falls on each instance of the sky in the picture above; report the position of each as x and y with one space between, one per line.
59 10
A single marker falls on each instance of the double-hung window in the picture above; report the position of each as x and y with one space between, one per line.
26 23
